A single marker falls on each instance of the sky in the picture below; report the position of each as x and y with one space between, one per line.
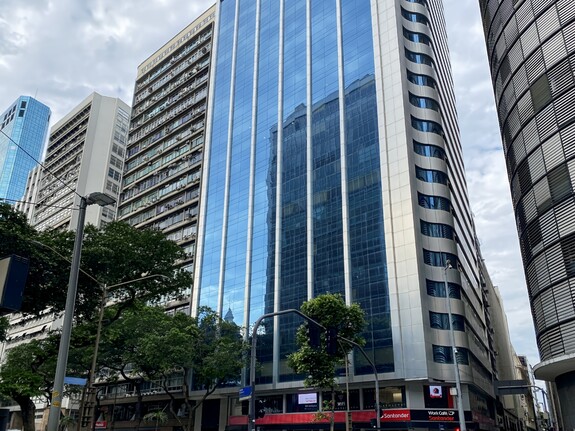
60 51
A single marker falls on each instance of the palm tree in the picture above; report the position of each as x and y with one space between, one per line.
67 423
160 417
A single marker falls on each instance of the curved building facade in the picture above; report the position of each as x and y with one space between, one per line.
531 49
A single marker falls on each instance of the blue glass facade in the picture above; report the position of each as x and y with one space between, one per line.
26 125
293 200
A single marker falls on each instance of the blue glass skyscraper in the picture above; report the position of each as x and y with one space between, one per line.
24 127
333 164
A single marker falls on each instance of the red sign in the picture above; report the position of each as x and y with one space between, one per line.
441 415
101 424
395 415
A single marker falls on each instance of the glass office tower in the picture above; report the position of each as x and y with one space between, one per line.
333 164
24 126
531 49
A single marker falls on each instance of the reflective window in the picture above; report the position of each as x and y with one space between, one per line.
429 150
436 230
416 37
434 202
437 289
444 355
414 17
423 102
280 179
217 162
366 227
427 126
418 57
421 80
439 258
441 321
431 175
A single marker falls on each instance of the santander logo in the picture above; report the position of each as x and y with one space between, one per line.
394 415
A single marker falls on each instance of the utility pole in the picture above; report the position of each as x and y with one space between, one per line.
460 409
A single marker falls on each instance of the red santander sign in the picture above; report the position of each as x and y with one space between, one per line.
396 415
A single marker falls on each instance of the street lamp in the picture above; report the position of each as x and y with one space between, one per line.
252 403
101 199
460 409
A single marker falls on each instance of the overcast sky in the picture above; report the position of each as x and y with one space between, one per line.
61 50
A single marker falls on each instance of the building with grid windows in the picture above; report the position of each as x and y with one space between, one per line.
85 154
23 130
161 185
531 48
26 203
333 164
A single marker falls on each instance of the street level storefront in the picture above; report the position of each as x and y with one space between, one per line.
397 419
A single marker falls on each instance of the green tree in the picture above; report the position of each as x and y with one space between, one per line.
318 365
67 423
45 271
159 417
206 350
28 372
116 254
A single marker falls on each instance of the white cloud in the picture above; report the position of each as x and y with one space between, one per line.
486 172
65 49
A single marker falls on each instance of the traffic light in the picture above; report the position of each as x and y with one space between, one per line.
314 335
260 411
331 335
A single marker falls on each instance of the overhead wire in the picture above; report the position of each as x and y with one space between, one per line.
41 164
36 203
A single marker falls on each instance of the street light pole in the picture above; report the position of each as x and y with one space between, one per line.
460 409
252 403
56 400
62 361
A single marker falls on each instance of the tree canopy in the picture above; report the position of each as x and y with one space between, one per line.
117 256
157 346
28 372
330 311
318 363
112 255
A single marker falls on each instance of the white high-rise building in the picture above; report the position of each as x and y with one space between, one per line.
85 154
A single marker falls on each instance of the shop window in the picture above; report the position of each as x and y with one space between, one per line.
341 399
391 397
302 402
